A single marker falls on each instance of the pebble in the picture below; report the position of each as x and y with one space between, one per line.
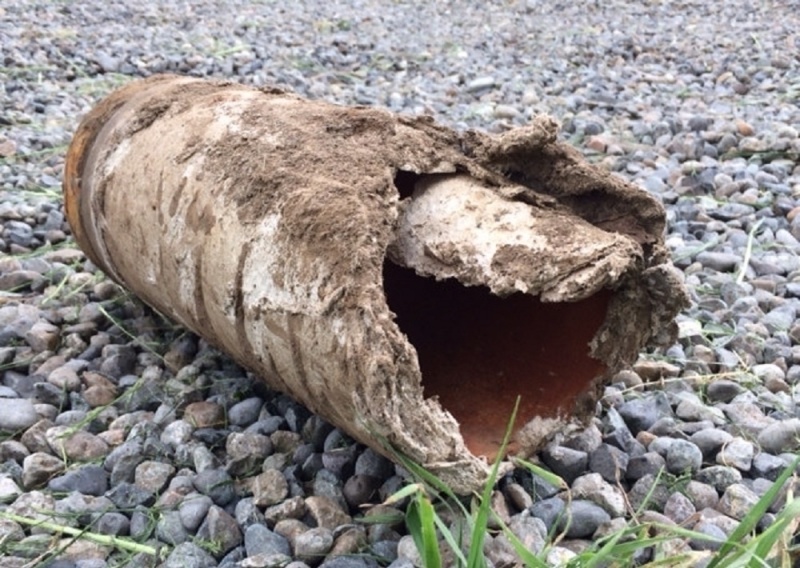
737 501
88 479
17 414
737 453
217 484
220 528
683 456
783 436
258 540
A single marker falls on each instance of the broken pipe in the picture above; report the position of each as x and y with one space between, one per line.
402 280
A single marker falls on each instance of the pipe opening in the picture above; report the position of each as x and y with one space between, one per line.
478 352
405 182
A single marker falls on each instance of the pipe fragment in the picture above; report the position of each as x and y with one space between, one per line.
402 280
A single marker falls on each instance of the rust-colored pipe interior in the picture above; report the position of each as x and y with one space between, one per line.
478 351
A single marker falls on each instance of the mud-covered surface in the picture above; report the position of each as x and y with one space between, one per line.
311 187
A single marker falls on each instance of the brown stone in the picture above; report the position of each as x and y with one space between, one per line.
204 414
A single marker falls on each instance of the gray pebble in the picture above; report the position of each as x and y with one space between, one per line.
189 554
679 508
565 462
246 412
17 414
549 511
649 463
710 441
220 528
720 477
584 518
112 523
313 544
737 501
716 537
737 453
723 390
193 509
169 528
783 436
127 496
88 479
767 466
217 484
258 539
683 456
639 414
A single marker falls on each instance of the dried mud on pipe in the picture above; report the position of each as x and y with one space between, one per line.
274 227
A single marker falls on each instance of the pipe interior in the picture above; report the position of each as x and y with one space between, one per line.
478 352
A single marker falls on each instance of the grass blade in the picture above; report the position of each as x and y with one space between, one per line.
476 559
420 522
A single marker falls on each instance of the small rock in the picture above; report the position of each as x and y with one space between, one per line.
480 84
645 492
17 414
204 414
594 488
767 466
716 537
649 463
221 529
683 456
585 518
783 436
710 441
128 496
679 507
76 445
360 489
737 453
518 497
169 528
326 513
258 539
217 484
720 477
193 510
153 476
373 464
744 128
312 545
548 511
246 412
737 501
641 413
38 468
292 508
188 554
565 462
43 336
269 488
113 523
702 495
723 390
9 491
88 479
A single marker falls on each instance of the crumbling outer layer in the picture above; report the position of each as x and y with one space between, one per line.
261 221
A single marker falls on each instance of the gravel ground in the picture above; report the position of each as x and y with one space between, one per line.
123 424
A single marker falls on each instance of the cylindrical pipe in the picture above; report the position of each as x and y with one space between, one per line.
404 281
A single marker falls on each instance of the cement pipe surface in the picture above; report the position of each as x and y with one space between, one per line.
403 280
